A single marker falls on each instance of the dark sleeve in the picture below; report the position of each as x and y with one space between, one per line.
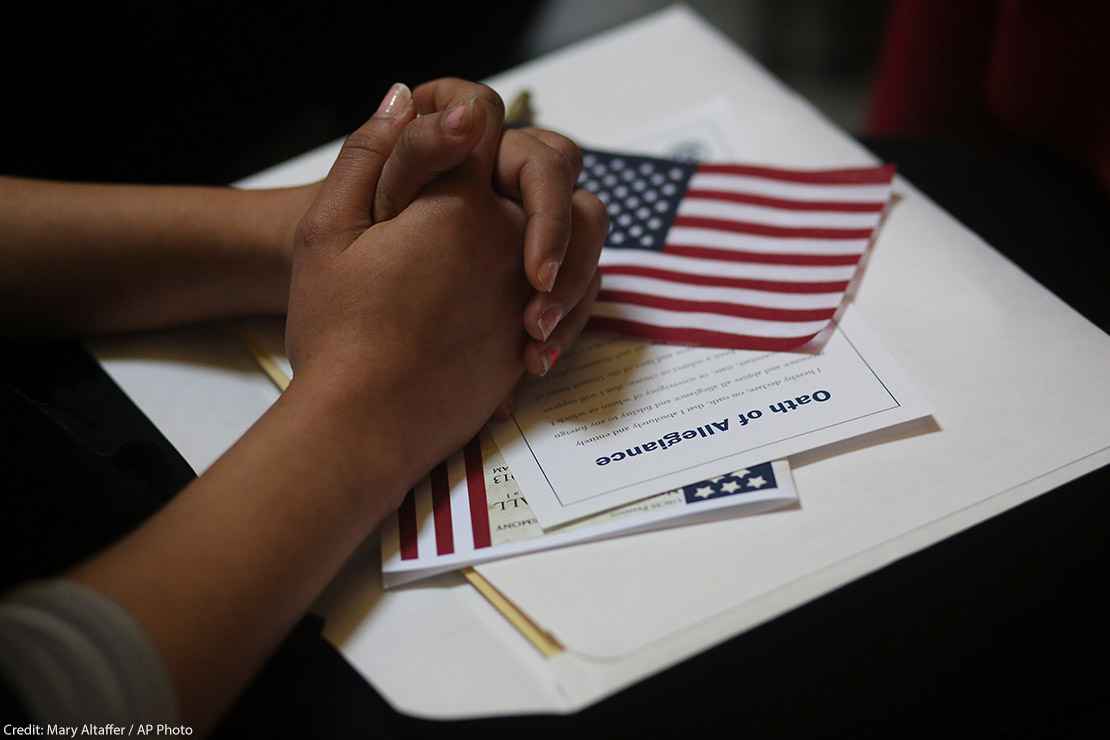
11 709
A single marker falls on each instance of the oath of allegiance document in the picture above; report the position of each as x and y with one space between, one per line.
620 420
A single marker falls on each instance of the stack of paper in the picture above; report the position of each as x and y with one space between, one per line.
627 436
752 263
470 510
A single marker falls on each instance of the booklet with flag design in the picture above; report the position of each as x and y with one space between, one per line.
470 510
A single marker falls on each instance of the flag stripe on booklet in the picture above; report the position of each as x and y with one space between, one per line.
476 490
406 526
454 496
441 511
755 231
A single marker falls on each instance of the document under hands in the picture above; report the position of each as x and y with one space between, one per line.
469 509
618 420
626 436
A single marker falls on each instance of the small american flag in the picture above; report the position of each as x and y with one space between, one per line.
727 255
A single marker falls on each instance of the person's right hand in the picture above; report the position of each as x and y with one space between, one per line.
412 325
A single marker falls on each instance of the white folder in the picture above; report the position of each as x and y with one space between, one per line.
1017 379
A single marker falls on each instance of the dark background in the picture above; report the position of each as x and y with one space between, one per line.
1000 631
208 92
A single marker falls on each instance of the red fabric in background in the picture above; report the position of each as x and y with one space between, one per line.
985 71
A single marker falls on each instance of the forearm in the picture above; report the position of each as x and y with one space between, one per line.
219 575
81 258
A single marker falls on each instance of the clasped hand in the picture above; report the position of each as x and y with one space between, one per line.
441 259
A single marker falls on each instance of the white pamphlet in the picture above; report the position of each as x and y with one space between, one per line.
470 510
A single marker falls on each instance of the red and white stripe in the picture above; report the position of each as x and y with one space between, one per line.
446 514
756 258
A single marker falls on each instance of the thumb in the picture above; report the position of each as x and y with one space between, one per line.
428 147
444 94
345 202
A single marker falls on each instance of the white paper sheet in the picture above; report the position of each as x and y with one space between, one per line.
619 420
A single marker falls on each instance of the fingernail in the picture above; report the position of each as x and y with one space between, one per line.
395 102
548 272
550 357
458 117
548 320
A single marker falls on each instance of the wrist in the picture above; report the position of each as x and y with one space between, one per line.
353 435
290 206
272 217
